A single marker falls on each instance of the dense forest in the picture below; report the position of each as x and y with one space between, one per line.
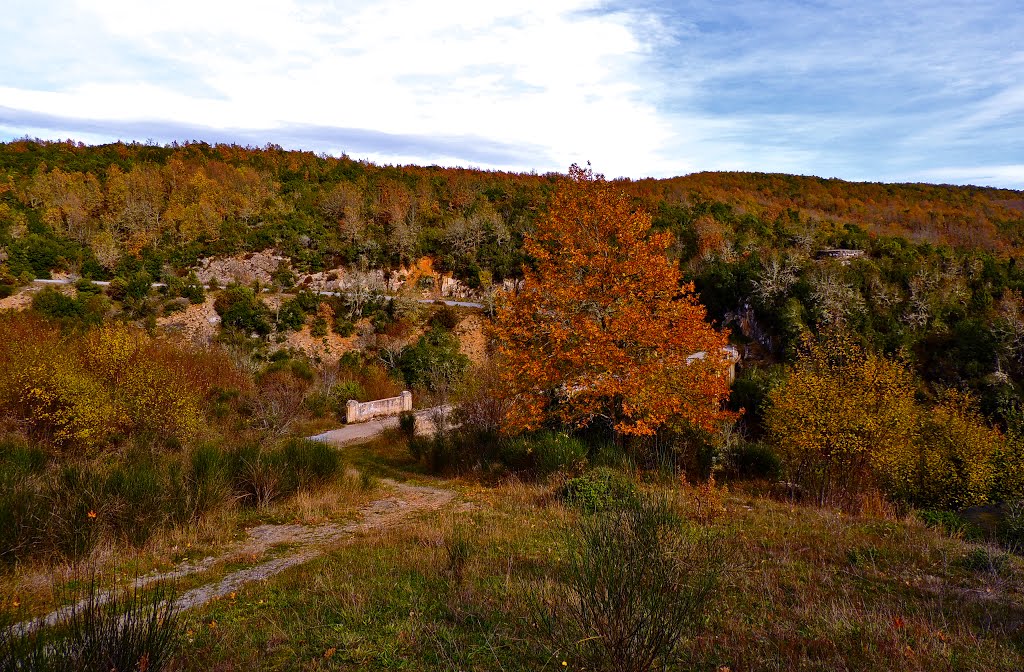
938 283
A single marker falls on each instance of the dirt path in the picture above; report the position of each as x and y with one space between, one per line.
311 541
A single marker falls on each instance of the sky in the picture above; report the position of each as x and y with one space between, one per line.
860 90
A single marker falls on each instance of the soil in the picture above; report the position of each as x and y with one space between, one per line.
472 341
198 323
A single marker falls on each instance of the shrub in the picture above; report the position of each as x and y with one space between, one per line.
553 451
598 490
240 308
444 318
435 354
982 559
407 424
53 303
261 475
753 460
344 328
1008 467
954 466
843 421
291 316
636 583
1011 528
543 452
193 289
314 463
107 630
88 288
949 521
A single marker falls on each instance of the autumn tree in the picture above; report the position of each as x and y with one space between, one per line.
603 329
844 421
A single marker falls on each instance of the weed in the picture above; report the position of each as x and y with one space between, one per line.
636 583
1011 530
119 630
598 490
981 559
458 549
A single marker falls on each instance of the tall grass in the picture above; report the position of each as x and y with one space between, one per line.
107 631
58 508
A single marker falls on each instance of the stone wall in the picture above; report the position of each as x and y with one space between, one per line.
361 412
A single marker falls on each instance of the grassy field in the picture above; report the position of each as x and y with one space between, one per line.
465 588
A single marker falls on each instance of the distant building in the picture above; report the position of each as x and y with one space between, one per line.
732 355
843 255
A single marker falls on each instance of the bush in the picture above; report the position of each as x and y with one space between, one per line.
291 316
558 452
543 452
193 290
636 583
436 353
261 475
88 288
598 490
753 460
949 521
53 303
444 318
107 630
240 308
344 328
407 424
314 463
954 466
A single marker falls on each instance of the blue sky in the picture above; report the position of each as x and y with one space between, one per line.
893 91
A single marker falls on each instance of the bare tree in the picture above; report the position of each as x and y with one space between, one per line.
834 300
776 278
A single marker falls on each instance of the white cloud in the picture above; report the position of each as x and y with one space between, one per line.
550 73
855 91
1010 176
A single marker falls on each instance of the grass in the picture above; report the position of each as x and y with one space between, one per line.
801 589
27 587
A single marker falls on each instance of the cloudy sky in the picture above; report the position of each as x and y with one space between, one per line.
862 90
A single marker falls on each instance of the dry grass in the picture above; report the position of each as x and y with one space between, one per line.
807 589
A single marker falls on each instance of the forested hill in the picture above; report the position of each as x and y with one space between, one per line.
100 203
937 281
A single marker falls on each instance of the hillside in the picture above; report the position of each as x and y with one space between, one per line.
939 279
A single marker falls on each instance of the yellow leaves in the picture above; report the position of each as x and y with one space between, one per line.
83 390
847 420
843 419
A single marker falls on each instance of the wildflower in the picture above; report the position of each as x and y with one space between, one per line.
91 514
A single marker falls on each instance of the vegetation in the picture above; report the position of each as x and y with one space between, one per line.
470 590
872 448
115 629
601 329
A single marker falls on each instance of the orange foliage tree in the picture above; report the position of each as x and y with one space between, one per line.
602 328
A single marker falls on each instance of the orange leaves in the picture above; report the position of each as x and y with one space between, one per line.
603 326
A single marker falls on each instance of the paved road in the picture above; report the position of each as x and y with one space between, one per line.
364 431
104 283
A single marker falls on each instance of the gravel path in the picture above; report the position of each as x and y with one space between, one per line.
311 541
